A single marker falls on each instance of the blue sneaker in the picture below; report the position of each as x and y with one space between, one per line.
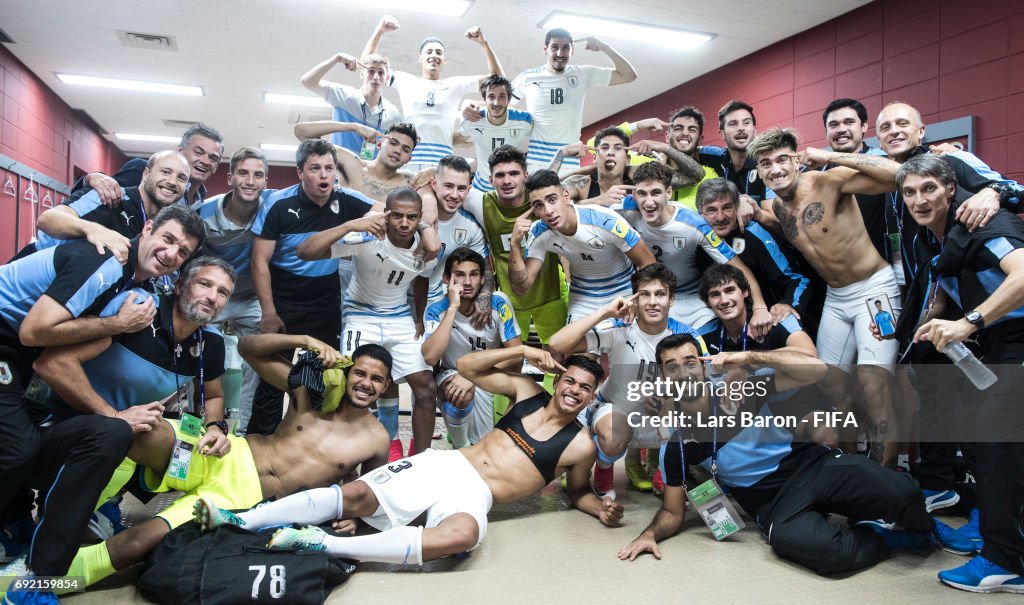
934 499
23 597
972 531
981 575
950 541
106 521
917 542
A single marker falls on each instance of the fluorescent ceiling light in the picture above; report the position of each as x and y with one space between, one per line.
148 138
445 8
581 25
278 147
138 85
300 100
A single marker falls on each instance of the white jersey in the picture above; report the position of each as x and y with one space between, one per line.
676 242
382 275
459 231
556 103
487 137
631 357
432 106
465 338
598 265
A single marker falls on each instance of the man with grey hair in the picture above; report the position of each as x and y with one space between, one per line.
108 227
818 215
202 146
976 274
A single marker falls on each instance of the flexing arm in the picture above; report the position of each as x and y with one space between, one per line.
266 354
866 174
624 72
387 23
313 80
479 368
315 130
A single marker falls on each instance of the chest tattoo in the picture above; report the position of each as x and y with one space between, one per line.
812 214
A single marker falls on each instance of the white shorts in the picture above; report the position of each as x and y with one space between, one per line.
580 306
844 333
396 334
440 483
691 310
480 420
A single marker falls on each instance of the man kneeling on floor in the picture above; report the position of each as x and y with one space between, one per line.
323 438
538 439
789 488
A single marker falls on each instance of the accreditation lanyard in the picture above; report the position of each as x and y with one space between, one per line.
722 336
726 169
380 117
198 337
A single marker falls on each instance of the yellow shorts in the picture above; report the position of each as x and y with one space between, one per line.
232 481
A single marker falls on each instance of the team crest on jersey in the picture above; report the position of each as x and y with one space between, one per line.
679 243
380 476
714 239
197 349
5 373
596 243
335 207
751 176
460 235
620 228
573 81
504 312
739 245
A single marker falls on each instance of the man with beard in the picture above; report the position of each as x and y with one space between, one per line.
364 106
615 176
202 147
112 227
554 94
738 127
817 214
428 101
788 487
259 467
496 125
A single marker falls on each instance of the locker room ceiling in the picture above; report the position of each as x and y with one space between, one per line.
238 50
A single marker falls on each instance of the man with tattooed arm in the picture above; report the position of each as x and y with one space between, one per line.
818 214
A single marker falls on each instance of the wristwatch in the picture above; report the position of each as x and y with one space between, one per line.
221 424
975 319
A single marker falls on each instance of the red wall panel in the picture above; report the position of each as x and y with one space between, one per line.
41 131
949 59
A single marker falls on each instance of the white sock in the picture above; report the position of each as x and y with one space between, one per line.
402 545
456 420
311 507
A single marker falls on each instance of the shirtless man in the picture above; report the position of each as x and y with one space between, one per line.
538 439
374 178
819 216
259 467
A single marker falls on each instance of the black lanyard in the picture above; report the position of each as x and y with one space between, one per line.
722 336
198 337
380 117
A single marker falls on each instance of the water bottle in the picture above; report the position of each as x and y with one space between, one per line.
981 376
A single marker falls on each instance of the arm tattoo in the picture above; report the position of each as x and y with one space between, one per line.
867 160
813 213
787 220
577 183
688 171
517 276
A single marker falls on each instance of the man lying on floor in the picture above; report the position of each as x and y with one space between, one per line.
538 439
324 437
789 488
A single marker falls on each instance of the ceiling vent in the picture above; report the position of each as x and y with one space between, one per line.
180 124
147 41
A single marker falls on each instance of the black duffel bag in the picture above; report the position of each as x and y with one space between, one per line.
233 566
